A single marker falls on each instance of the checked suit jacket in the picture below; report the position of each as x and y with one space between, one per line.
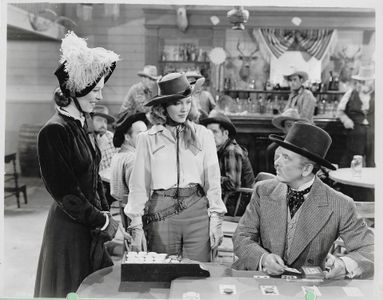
325 215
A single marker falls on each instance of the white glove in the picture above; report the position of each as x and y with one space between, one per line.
215 230
138 241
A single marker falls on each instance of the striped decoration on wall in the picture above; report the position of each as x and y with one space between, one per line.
314 41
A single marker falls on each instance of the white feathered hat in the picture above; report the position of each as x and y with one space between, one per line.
82 67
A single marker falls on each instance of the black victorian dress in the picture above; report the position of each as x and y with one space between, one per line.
72 246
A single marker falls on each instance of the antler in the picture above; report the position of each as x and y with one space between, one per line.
239 49
255 50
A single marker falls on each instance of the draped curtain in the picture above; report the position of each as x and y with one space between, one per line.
313 41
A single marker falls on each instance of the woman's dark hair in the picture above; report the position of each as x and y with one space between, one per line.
60 99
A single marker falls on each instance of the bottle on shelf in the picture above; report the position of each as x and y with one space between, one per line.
330 82
262 106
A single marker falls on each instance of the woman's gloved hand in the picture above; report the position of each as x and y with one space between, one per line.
138 240
215 230
111 228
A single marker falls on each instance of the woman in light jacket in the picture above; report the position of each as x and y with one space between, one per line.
175 192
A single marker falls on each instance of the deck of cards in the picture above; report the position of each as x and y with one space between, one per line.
312 272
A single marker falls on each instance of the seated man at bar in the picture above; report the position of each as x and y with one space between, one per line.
300 98
293 220
234 163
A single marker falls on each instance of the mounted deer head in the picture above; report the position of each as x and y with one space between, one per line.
346 63
244 71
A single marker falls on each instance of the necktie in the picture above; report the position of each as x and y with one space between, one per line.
295 199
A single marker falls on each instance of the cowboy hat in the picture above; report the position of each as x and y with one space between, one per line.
289 114
301 74
149 71
192 76
365 73
173 87
307 140
220 118
123 125
102 111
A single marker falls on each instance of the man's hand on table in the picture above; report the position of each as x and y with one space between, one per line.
335 268
273 264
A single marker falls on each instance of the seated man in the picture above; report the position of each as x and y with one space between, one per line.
104 139
234 163
293 220
300 98
125 138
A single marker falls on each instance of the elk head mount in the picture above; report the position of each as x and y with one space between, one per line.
244 71
346 62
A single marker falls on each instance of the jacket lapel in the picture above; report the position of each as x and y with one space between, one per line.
275 211
314 215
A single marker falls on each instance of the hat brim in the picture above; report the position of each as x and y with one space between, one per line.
230 127
123 124
63 76
142 74
303 75
357 77
280 141
109 118
277 122
165 99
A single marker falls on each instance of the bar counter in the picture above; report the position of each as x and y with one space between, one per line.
253 131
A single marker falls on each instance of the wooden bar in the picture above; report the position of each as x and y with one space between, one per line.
253 132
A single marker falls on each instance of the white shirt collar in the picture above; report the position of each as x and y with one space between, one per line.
305 185
69 112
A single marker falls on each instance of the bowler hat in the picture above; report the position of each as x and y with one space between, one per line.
123 125
301 74
307 140
149 71
365 73
220 118
289 114
102 111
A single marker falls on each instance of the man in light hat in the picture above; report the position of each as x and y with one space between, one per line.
234 163
300 98
104 138
356 112
139 94
205 100
294 219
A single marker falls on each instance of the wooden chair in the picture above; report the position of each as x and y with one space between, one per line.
13 188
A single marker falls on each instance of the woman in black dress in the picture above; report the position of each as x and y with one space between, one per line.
78 223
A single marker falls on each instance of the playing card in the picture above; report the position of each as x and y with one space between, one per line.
312 289
292 270
261 276
269 290
289 277
227 289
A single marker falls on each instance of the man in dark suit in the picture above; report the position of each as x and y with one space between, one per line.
294 219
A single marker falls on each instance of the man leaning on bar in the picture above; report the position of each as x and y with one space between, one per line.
293 220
